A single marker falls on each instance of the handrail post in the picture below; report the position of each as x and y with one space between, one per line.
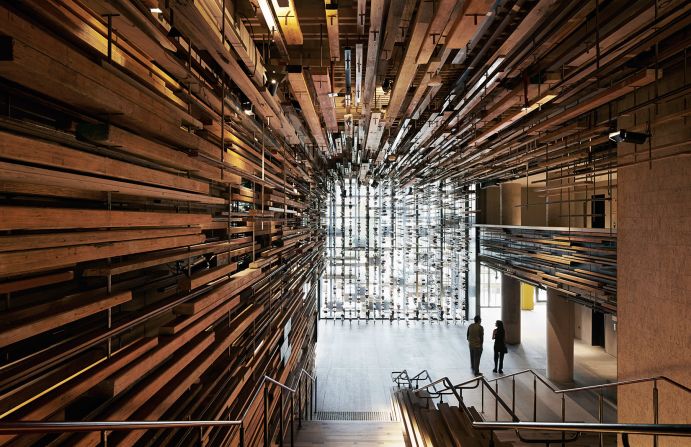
496 401
563 418
104 438
534 398
482 395
513 394
315 394
655 409
292 419
299 403
311 389
280 429
266 415
600 415
242 434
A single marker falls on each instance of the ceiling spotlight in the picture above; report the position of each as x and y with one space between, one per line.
392 157
333 94
156 10
271 85
624 136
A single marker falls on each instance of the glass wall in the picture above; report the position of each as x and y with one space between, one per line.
396 252
490 287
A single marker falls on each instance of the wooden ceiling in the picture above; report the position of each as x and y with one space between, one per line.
416 89
450 87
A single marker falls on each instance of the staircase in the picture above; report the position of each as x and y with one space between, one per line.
350 433
421 418
427 424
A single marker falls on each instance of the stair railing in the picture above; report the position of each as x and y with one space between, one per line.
457 391
599 389
403 378
29 427
578 428
422 375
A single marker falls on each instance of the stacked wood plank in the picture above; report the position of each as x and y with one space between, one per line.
581 262
152 247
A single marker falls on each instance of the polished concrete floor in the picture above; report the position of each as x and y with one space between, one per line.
354 363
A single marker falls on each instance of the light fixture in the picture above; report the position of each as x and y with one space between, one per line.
268 14
333 94
392 157
539 103
247 108
624 136
271 85
156 10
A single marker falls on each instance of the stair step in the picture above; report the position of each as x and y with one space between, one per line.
350 433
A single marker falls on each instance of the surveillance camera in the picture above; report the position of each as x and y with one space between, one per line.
624 136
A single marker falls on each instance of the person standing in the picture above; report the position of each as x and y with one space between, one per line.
499 337
475 335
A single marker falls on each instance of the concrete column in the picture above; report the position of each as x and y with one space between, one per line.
511 308
510 204
560 329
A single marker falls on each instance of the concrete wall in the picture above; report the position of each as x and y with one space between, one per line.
535 214
488 201
510 203
583 323
654 262
610 335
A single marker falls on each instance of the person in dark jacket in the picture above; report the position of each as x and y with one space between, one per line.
499 337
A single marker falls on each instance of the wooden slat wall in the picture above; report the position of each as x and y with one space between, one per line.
150 257
580 262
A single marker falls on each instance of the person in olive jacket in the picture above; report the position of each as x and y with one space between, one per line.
499 337
475 336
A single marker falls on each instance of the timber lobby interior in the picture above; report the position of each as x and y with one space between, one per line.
272 222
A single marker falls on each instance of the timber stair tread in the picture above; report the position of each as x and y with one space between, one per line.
349 433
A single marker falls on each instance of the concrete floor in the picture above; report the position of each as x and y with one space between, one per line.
354 362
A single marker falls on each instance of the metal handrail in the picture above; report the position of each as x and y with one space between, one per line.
22 427
627 382
579 428
547 384
563 394
564 427
401 377
418 377
591 427
479 381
